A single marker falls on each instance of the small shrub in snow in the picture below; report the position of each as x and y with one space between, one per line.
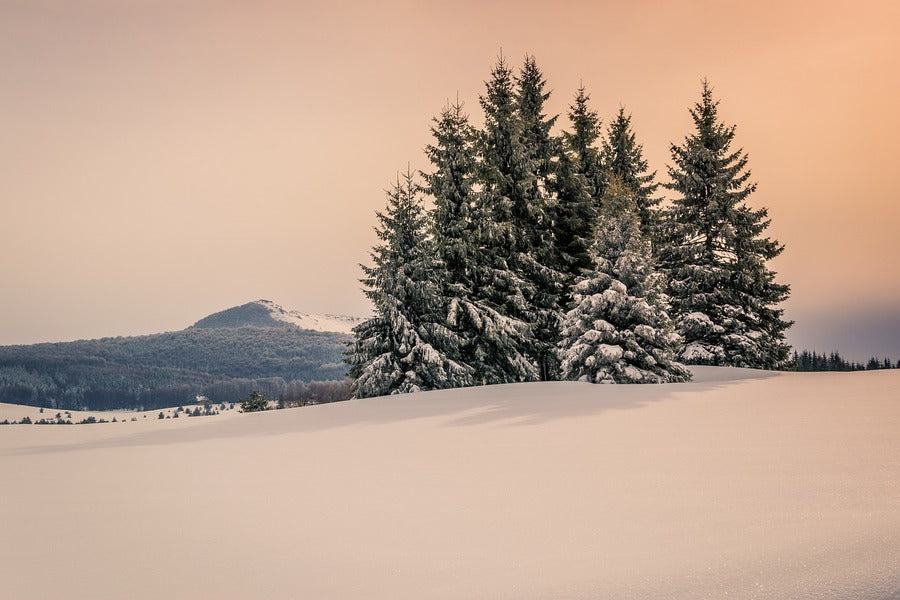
256 402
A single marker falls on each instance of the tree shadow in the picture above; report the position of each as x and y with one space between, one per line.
517 404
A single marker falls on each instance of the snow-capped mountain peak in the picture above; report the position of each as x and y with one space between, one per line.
265 313
316 322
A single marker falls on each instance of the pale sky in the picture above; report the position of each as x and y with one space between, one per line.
161 160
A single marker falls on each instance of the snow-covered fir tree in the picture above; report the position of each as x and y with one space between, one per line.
623 158
581 142
488 341
713 251
538 142
477 293
573 224
618 330
577 188
508 218
532 211
452 185
406 346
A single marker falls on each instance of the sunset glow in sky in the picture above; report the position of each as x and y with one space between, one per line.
161 160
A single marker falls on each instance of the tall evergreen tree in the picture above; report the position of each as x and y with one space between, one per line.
581 142
406 346
505 175
537 261
724 296
623 157
489 342
618 330
515 221
539 144
452 186
579 184
573 224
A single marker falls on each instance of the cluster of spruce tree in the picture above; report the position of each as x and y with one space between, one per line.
813 361
548 256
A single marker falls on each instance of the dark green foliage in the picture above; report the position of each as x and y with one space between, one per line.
254 402
500 293
251 314
515 210
539 145
575 214
406 346
581 142
508 179
623 158
813 361
713 252
538 262
489 342
452 186
578 188
515 154
58 420
168 369
618 330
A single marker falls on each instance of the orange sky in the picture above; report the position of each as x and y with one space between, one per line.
161 160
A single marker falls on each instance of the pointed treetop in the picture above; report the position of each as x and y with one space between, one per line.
584 120
706 114
499 90
623 157
531 93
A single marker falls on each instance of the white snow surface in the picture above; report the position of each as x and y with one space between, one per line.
742 484
336 323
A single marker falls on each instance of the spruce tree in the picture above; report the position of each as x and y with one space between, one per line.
505 174
577 188
618 330
538 143
724 296
623 158
581 142
488 341
452 186
533 214
405 346
573 224
508 217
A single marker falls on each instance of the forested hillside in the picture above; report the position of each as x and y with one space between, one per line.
168 369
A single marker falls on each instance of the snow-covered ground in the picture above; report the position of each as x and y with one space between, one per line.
14 413
742 484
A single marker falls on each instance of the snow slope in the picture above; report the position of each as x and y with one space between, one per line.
336 323
742 484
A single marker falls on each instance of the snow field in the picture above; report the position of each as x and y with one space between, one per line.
742 484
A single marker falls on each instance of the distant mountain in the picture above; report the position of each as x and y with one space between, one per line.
265 313
256 346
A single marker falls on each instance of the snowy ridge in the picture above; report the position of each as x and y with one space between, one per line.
315 322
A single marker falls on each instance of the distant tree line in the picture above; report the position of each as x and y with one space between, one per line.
301 393
170 369
813 361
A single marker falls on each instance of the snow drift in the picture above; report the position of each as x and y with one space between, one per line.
742 484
